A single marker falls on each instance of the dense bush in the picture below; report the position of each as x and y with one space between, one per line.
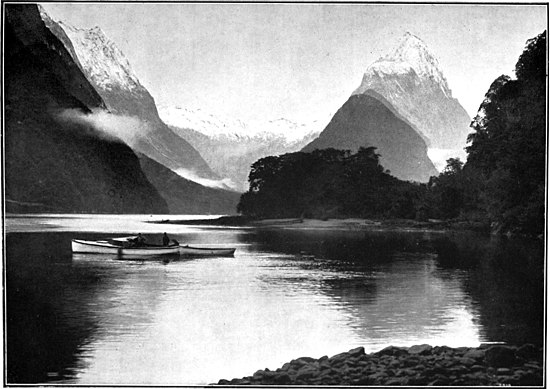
327 183
508 146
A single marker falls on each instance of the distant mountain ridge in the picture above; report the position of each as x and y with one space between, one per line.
365 121
231 146
411 80
218 126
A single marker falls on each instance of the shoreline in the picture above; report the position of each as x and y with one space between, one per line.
358 224
420 365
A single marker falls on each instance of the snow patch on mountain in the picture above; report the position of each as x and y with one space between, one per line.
101 59
200 120
215 126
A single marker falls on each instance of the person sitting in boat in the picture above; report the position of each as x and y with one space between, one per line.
139 240
165 240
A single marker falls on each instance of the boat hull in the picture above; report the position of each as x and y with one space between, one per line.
206 251
104 247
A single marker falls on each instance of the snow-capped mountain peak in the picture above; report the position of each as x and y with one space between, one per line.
411 80
101 58
411 54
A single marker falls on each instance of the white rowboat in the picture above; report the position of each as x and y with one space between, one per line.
206 251
113 247
125 246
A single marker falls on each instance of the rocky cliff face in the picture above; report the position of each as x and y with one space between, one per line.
411 80
366 121
54 163
109 72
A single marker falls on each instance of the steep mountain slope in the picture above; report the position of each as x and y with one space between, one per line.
54 164
108 70
231 146
185 196
366 121
411 80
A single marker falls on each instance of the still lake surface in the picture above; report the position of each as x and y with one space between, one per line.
95 319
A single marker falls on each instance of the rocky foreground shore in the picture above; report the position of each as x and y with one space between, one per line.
421 365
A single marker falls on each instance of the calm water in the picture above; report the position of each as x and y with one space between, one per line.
89 319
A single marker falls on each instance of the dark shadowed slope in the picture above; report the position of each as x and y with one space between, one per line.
54 165
188 197
366 121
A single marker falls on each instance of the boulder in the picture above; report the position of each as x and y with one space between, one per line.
500 356
338 358
475 354
392 350
286 366
442 350
377 378
527 351
303 361
467 361
306 373
357 352
422 349
258 375
282 379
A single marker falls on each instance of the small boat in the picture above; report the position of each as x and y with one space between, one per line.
121 246
207 251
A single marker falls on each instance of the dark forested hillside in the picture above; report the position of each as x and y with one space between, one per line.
327 183
503 179
509 144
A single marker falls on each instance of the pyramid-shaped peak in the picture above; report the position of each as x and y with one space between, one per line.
411 53
413 50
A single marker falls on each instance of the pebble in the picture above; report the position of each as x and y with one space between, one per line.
419 365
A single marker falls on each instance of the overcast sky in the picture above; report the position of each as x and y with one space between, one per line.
300 61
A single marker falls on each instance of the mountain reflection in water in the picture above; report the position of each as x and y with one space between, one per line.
89 319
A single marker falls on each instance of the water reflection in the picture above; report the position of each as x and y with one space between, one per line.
505 279
389 284
88 319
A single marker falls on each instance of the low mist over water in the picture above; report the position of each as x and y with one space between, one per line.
96 319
